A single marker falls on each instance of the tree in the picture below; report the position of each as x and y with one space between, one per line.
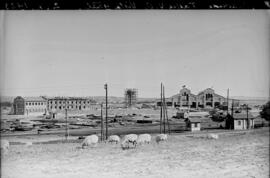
265 113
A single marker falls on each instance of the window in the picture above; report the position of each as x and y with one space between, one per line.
239 122
38 103
195 124
26 104
59 107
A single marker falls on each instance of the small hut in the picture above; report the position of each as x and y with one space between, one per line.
240 121
193 124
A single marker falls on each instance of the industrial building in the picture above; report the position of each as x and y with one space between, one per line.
42 105
205 98
29 105
71 103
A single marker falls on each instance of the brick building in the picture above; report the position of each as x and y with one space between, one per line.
29 105
205 98
71 103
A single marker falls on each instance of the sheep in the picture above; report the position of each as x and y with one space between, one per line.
129 139
212 136
114 139
4 146
144 138
90 140
161 137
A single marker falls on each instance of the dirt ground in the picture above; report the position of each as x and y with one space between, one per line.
236 155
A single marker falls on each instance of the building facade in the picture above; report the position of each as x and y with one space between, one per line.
29 105
71 103
205 98
240 121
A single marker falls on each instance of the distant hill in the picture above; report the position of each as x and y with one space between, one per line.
251 100
115 99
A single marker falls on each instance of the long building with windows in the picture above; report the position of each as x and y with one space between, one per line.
71 103
205 98
42 105
29 105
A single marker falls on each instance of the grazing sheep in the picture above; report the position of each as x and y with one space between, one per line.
161 137
129 141
90 140
4 146
144 138
212 136
114 139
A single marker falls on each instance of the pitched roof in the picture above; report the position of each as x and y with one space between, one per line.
34 98
242 116
194 119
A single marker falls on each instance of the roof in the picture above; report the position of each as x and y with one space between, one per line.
242 116
68 98
194 119
34 98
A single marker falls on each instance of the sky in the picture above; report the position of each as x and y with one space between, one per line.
74 53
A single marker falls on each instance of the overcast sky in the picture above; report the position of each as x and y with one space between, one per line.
75 52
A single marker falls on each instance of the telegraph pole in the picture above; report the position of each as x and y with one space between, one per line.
67 131
164 103
101 116
166 113
160 110
232 106
106 111
247 118
227 101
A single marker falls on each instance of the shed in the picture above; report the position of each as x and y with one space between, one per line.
193 124
240 121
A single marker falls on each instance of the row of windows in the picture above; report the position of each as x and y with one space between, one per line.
35 103
35 110
70 107
70 102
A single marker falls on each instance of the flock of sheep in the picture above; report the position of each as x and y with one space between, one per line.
128 141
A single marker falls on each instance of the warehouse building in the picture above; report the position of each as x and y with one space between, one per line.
71 103
205 98
29 105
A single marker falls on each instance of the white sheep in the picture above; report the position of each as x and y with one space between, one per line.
161 137
212 136
4 146
129 141
90 140
114 139
144 138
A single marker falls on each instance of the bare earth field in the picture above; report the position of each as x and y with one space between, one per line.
236 155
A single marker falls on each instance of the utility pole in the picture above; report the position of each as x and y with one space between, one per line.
101 117
160 110
106 109
232 106
67 131
227 101
166 113
247 118
164 104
